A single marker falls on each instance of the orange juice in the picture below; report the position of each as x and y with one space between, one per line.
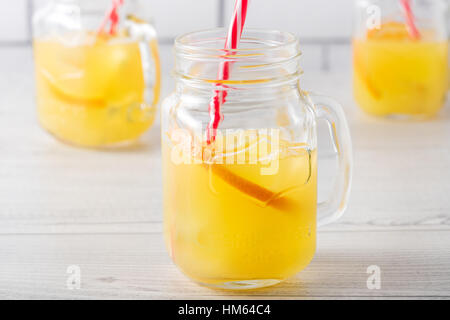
232 223
397 75
92 93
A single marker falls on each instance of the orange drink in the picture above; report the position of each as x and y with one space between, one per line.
97 73
240 198
397 75
233 223
93 93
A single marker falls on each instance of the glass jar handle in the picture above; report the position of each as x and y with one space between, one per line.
157 71
151 66
332 112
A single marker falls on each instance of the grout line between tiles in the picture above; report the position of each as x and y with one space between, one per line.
29 17
325 58
221 13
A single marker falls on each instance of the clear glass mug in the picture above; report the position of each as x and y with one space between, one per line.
95 89
241 212
395 73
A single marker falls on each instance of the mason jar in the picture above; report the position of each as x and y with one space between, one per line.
240 210
400 60
97 84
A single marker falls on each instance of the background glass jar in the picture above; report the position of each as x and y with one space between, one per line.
94 88
396 74
240 212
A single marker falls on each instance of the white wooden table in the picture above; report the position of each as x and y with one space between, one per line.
62 206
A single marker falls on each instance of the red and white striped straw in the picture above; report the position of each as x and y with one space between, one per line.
231 43
410 21
112 16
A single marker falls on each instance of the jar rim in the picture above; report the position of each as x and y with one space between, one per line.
264 57
443 3
194 41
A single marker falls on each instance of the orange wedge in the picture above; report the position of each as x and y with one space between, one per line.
389 31
251 189
361 69
94 75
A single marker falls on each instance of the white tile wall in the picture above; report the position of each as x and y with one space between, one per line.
13 21
314 20
319 23
339 58
307 18
174 17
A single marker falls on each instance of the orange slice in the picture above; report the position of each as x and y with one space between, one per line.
96 75
361 69
251 189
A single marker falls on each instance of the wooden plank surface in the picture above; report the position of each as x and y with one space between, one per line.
132 266
101 210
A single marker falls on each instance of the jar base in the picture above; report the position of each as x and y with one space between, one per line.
399 117
126 145
409 117
130 143
241 284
